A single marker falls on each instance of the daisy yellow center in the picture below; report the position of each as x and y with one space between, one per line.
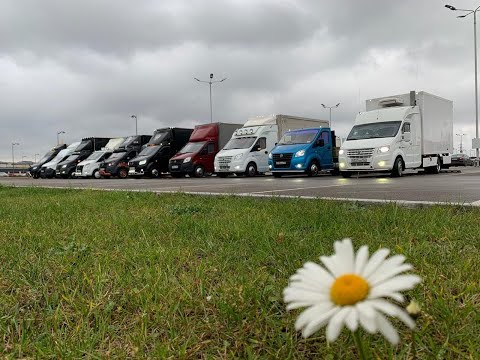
349 289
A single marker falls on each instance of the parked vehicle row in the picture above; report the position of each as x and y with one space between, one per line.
407 131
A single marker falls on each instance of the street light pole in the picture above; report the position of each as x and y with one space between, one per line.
474 12
330 108
13 156
136 123
58 133
461 141
210 82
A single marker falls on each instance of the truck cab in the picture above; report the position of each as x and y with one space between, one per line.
153 159
117 163
197 157
304 151
34 170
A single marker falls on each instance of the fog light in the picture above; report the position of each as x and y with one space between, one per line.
237 167
342 165
299 166
270 167
381 163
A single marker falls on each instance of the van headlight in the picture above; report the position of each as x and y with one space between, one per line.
300 153
64 166
142 162
187 160
385 149
238 157
341 152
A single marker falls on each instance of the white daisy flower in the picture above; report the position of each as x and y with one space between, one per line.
351 290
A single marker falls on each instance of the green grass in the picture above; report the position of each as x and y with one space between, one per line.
115 274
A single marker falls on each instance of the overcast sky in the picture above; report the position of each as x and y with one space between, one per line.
85 66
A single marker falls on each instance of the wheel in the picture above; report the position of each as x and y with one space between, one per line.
177 175
222 175
122 173
398 167
36 176
96 174
251 170
154 173
313 169
72 175
277 175
199 171
346 174
435 169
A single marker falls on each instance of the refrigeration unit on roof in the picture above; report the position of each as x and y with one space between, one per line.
390 102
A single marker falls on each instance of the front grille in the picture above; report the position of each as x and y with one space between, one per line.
79 168
224 162
176 162
282 160
360 154
360 163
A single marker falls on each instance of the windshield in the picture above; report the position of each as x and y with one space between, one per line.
84 146
298 137
128 141
46 156
158 138
96 155
374 130
72 158
192 147
240 143
116 156
60 155
149 150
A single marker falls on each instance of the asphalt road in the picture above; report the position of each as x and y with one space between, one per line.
457 186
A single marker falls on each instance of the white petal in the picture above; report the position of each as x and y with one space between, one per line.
386 274
351 321
387 329
331 265
375 261
361 259
393 310
311 314
396 296
335 324
302 285
317 323
322 276
398 283
299 295
344 256
366 315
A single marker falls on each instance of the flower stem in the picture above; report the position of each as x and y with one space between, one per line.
414 347
358 342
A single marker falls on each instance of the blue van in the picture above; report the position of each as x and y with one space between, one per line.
305 151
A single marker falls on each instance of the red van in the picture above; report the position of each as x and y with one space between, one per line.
197 157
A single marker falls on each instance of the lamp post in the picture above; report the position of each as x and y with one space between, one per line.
136 123
474 12
13 156
461 141
58 133
330 108
210 82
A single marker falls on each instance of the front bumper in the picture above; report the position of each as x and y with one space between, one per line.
137 171
297 165
377 162
63 172
183 168
47 172
229 166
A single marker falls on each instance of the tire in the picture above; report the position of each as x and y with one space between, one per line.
123 173
277 175
96 175
313 169
154 173
199 171
251 170
71 175
222 175
346 174
398 167
435 169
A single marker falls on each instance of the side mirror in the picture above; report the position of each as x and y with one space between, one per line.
136 142
406 137
320 142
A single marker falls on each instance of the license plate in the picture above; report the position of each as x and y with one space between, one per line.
224 167
360 160
174 166
281 163
131 170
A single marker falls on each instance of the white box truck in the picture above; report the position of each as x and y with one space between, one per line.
247 151
408 131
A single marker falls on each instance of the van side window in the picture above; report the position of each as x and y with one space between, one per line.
406 128
262 143
324 136
211 148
